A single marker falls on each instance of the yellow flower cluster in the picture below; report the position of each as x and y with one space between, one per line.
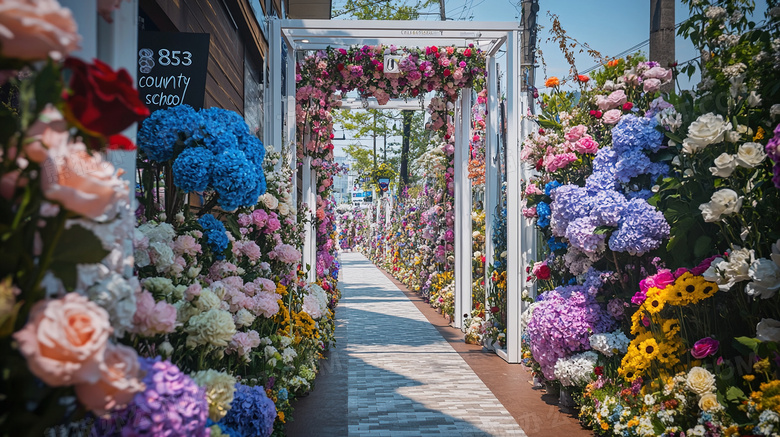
500 280
304 326
768 397
281 289
283 316
662 344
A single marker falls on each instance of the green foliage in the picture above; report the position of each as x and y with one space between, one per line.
381 9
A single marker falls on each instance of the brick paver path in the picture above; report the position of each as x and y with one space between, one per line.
403 378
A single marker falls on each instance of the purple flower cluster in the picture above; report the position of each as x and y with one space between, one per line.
570 202
581 234
171 405
642 228
636 133
773 150
561 324
251 413
608 206
594 281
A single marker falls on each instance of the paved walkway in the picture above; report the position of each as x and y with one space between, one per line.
393 374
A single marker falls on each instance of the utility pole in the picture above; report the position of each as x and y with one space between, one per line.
374 135
530 9
441 11
662 35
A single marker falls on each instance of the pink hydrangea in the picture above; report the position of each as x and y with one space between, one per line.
243 342
152 318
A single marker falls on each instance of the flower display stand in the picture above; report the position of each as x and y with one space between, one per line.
565 399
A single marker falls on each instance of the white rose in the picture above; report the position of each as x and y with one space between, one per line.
700 381
284 209
768 330
722 202
765 274
750 155
707 129
271 202
709 402
724 165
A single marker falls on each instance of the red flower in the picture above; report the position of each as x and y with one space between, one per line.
415 92
467 53
539 164
598 370
380 67
101 101
596 113
541 131
447 72
494 310
627 106
543 272
340 66
583 78
120 142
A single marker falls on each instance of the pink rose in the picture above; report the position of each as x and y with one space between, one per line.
602 103
704 348
273 224
575 133
118 381
651 86
530 212
616 99
64 340
660 280
36 29
251 250
49 132
259 216
586 144
557 162
612 116
82 183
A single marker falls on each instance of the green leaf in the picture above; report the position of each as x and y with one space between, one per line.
703 246
734 394
48 87
674 137
77 245
747 345
600 230
549 124
231 223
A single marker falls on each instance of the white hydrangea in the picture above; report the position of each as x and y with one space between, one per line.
315 303
610 344
576 370
288 355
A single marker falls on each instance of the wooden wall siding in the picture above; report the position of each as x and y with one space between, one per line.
225 77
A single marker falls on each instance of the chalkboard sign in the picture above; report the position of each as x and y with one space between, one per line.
172 68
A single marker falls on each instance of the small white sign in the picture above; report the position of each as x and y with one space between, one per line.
392 64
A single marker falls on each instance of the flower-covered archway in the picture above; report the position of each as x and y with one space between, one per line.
445 58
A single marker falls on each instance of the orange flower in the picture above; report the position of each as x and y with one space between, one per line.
583 78
551 82
613 63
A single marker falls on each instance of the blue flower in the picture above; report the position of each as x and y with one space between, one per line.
543 210
554 244
192 169
161 130
608 207
636 133
214 230
236 180
251 413
581 234
642 228
570 202
600 181
551 186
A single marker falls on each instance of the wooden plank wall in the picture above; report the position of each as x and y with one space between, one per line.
225 78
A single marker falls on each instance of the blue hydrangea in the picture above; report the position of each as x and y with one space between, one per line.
600 181
235 179
636 133
192 169
551 186
641 194
543 210
214 230
642 228
163 128
251 413
554 244
608 205
605 160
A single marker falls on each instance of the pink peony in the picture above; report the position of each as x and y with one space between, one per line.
612 116
186 245
251 250
153 318
287 254
659 73
243 343
119 381
586 144
266 304
37 29
64 340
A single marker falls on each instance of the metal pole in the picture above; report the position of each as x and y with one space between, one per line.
662 35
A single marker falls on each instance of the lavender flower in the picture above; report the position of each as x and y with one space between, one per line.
581 234
608 206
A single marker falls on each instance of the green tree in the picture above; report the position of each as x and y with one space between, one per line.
381 9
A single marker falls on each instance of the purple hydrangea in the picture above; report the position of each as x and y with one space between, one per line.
605 160
581 234
251 413
570 202
608 206
642 228
561 324
594 281
171 405
636 133
600 181
631 164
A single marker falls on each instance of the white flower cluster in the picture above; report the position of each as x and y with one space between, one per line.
749 155
576 370
742 265
611 343
707 129
315 303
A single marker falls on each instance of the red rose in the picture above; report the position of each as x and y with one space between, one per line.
340 66
101 101
494 310
543 272
447 72
627 106
467 53
120 142
598 370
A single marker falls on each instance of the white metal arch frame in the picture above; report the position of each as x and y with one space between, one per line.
298 36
